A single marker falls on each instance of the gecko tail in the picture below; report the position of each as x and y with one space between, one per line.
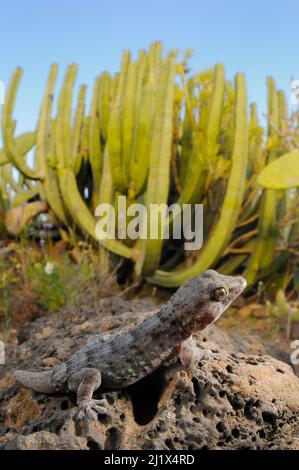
37 381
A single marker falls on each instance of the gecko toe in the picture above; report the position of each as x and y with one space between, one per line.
210 355
103 402
89 410
100 409
87 414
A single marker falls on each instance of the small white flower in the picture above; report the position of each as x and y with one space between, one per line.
49 268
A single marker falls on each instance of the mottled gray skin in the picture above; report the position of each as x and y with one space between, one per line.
122 360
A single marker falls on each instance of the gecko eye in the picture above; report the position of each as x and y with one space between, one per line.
218 294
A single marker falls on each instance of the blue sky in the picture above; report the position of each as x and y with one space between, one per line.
259 38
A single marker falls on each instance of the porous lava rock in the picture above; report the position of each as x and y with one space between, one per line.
247 398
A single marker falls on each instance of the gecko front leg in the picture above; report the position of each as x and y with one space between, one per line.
84 383
190 354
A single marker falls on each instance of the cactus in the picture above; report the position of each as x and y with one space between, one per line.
264 249
158 135
115 130
127 124
256 134
9 145
83 217
214 117
160 154
50 188
105 197
188 124
142 140
104 103
68 185
231 204
23 143
131 121
78 130
24 195
63 128
204 137
95 153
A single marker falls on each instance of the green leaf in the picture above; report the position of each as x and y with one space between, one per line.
283 173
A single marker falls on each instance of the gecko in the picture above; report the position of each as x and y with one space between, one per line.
123 359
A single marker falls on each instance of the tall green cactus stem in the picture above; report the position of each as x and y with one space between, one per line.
2 209
227 124
115 129
8 176
78 129
283 112
127 118
67 180
50 186
63 126
114 86
187 133
114 148
204 152
95 154
160 155
256 135
106 197
44 121
5 197
23 142
155 53
256 156
63 134
104 103
24 195
214 116
222 231
106 187
265 245
9 145
142 140
84 145
137 164
287 205
83 217
141 65
233 263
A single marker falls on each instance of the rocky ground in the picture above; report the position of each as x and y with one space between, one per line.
248 399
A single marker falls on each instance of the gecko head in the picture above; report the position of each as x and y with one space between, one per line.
206 297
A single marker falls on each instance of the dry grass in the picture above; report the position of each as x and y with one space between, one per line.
36 281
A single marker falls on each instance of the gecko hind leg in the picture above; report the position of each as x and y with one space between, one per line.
85 383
